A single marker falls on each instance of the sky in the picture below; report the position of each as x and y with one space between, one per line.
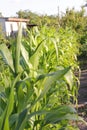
9 8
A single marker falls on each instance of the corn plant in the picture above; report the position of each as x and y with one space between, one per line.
34 96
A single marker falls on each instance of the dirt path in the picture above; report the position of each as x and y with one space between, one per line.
83 88
82 99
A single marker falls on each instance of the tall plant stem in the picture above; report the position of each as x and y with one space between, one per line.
18 49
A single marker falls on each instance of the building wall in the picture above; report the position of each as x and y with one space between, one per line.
13 27
2 26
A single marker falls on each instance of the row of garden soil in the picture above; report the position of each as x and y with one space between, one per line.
82 99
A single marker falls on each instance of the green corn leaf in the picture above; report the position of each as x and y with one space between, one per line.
25 54
74 117
34 59
6 55
1 110
22 120
58 114
2 117
13 118
6 125
55 45
61 113
10 104
18 49
42 112
48 81
30 89
57 117
69 78
11 97
20 95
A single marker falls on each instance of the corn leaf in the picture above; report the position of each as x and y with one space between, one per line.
55 46
7 57
10 104
20 95
69 78
2 117
13 118
48 81
34 59
18 49
61 113
22 120
6 125
25 54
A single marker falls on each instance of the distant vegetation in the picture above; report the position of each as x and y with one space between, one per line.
75 20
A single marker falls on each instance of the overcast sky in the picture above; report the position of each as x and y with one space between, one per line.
50 7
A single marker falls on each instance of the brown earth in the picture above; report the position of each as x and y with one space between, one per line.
82 99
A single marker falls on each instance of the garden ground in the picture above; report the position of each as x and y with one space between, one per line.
82 98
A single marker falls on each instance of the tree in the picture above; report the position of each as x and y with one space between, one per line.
74 19
27 14
38 19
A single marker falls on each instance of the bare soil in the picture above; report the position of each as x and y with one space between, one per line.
82 99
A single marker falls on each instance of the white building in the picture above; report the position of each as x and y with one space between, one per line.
9 26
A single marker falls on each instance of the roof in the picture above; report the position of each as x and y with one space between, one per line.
14 19
31 25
